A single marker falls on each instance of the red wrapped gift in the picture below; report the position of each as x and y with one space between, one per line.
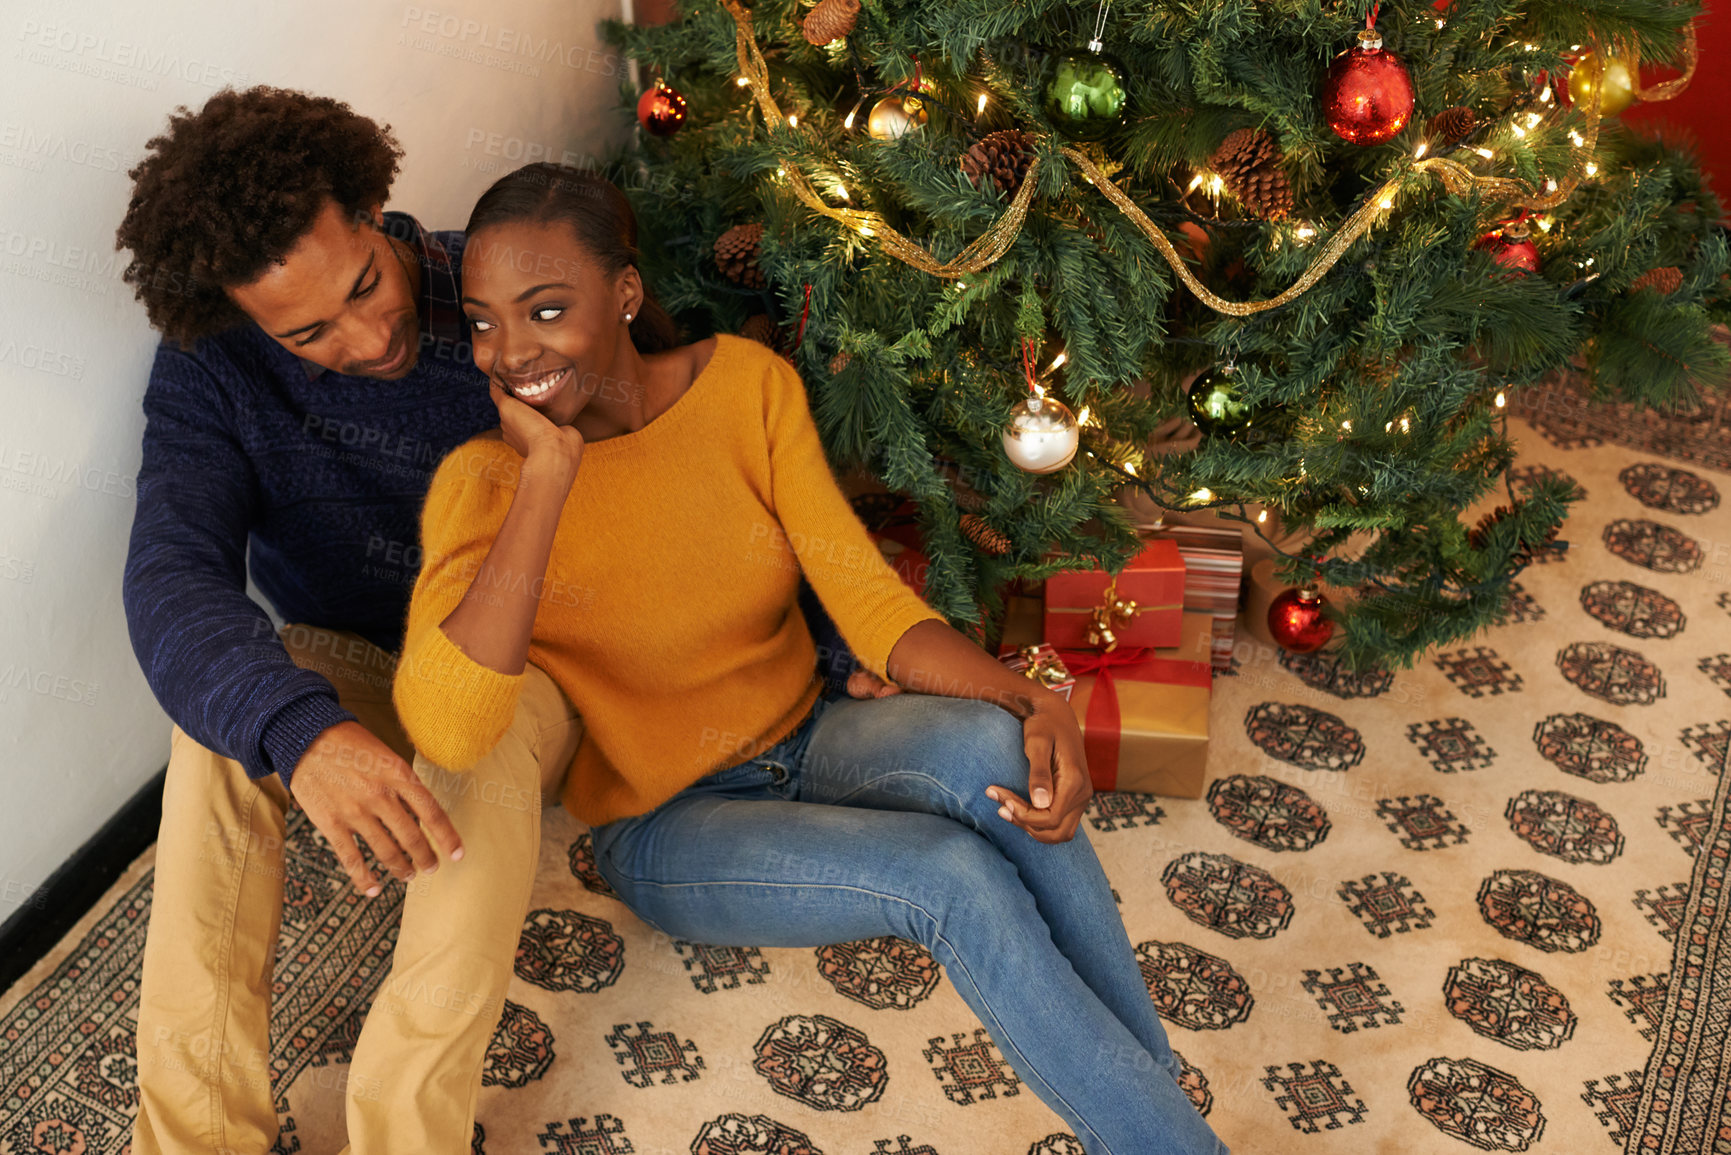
1153 581
1144 713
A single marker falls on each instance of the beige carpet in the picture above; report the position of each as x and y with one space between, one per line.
1429 912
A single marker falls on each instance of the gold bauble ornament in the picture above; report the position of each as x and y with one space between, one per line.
1043 435
1612 74
894 115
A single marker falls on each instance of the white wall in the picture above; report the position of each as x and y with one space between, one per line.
471 87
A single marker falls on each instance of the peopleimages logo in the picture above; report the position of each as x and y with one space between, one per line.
482 34
52 252
41 359
48 684
39 473
38 144
94 54
515 148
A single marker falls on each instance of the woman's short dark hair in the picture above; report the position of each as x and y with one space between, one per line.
228 190
598 214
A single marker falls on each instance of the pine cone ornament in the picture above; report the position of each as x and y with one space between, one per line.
983 535
830 20
1003 155
1249 162
761 329
839 362
1524 554
736 255
1663 281
1453 124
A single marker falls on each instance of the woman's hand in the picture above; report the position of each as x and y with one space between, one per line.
533 436
1058 771
1058 781
932 654
493 622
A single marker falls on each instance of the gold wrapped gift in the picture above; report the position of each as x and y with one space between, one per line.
1144 713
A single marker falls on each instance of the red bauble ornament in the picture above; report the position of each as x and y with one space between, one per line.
1368 95
661 109
1511 247
1297 621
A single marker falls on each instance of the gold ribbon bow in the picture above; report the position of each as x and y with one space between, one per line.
1048 670
1111 615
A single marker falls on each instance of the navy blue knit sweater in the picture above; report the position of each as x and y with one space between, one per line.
323 475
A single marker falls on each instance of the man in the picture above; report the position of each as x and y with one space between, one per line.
313 372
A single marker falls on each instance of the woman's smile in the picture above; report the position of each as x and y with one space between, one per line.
539 389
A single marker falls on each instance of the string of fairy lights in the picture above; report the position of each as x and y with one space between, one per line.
1043 436
995 241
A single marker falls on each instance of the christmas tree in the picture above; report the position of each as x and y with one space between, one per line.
1370 225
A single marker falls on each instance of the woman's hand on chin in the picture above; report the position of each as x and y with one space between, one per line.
537 440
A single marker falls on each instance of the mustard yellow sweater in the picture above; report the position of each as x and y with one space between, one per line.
669 612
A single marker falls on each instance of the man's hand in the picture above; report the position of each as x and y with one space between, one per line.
354 786
862 683
1058 781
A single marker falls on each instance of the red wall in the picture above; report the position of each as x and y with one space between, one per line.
1704 106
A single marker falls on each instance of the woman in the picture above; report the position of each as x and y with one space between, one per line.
634 533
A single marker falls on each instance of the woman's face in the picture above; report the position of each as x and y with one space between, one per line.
545 321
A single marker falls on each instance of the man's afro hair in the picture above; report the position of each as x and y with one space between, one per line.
230 189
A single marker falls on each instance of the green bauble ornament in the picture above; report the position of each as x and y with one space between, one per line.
1217 405
1085 97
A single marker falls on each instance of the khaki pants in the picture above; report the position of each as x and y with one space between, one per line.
205 997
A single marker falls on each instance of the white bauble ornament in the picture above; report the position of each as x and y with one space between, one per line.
1043 435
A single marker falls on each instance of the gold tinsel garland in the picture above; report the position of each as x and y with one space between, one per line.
1665 90
986 249
983 252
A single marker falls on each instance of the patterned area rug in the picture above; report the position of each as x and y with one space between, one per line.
1699 434
1429 911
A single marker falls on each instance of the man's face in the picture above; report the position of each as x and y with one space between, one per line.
342 298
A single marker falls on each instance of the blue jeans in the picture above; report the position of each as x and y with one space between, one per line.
871 819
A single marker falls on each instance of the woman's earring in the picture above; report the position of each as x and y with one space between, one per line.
628 318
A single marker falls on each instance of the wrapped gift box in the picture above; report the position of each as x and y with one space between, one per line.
1144 712
1040 663
1213 574
1154 580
